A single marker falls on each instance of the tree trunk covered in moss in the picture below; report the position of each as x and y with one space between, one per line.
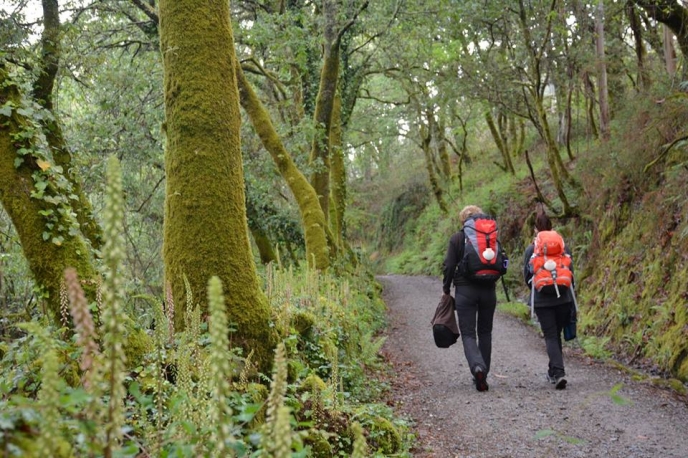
43 94
314 222
324 103
602 71
47 259
265 250
502 143
337 175
205 230
426 139
675 16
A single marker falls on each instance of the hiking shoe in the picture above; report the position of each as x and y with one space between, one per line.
480 380
551 379
560 383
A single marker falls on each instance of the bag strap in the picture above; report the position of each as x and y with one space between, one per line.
532 298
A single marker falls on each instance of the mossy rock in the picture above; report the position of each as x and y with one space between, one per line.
312 384
136 347
677 386
303 323
258 394
382 435
320 447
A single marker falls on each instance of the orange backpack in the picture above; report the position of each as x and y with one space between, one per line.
550 264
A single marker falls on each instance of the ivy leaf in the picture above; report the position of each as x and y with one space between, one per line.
58 240
46 235
18 161
25 111
44 165
6 109
41 185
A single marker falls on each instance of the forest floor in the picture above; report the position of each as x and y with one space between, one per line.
521 415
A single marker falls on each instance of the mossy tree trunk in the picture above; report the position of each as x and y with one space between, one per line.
265 249
337 175
602 71
426 141
675 16
314 223
502 142
441 145
63 248
43 94
324 103
320 156
205 229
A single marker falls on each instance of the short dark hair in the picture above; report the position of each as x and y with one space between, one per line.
542 222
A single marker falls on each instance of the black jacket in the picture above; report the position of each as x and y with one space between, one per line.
451 261
545 300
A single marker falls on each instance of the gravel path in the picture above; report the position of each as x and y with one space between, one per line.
521 415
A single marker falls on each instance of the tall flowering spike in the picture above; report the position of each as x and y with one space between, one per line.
113 313
282 434
64 305
360 446
278 388
169 302
220 413
83 323
49 399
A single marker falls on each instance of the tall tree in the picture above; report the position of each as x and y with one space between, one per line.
602 70
205 231
35 194
43 94
674 15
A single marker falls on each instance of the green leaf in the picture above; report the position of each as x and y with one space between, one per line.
46 236
25 111
18 161
6 109
573 440
544 433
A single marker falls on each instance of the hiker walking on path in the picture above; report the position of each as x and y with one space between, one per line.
475 297
553 308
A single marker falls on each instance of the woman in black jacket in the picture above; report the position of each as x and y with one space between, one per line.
553 312
475 306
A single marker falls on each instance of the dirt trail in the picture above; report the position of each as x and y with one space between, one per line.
521 415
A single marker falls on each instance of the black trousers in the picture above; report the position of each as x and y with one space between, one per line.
552 321
475 307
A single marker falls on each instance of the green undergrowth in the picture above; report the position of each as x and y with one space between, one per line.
130 388
629 240
329 334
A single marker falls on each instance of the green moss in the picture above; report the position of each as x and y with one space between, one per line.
383 436
678 386
320 447
137 345
312 215
204 235
312 384
303 322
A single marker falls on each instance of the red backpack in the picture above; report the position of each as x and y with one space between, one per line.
550 264
483 259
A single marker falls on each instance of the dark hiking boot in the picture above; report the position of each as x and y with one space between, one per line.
560 383
551 379
480 380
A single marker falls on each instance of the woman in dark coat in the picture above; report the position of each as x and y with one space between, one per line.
553 312
475 306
